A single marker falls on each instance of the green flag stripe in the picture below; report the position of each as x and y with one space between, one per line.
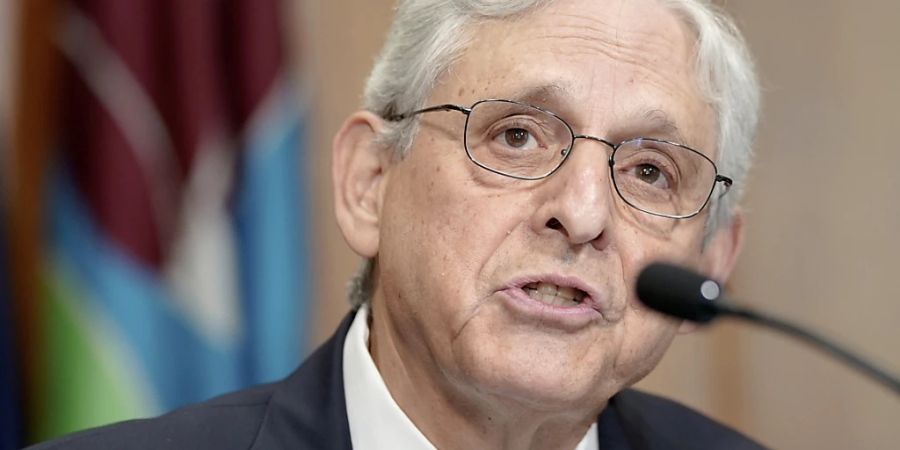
90 377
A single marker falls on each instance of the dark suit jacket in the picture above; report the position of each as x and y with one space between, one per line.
307 411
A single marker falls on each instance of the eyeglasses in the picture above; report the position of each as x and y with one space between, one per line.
527 142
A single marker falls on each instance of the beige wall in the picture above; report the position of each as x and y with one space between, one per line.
822 223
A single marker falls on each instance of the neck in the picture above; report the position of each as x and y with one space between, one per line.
453 416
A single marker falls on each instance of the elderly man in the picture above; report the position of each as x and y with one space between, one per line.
516 165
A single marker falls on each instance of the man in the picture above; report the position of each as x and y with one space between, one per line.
516 165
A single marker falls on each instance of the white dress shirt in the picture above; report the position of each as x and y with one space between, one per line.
376 421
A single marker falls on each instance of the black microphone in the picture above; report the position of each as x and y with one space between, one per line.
679 292
683 294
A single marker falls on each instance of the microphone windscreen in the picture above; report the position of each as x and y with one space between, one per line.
678 292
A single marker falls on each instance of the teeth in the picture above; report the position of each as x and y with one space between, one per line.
554 295
567 292
547 288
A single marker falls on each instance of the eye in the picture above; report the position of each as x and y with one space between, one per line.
650 174
518 138
647 169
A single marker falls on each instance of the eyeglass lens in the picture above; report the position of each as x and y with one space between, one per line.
526 142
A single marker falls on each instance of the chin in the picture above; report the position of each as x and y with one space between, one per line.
537 380
547 393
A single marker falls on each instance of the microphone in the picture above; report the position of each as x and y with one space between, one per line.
683 294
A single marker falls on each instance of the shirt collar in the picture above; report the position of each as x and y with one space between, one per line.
376 421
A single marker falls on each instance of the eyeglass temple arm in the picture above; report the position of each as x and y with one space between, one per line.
727 181
446 107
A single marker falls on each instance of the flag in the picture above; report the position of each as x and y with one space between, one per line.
10 409
172 258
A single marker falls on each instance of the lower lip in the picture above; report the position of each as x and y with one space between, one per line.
565 317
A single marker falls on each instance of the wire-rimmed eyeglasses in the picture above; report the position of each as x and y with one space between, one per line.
527 142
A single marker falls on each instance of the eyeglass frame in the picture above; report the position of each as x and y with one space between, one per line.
467 111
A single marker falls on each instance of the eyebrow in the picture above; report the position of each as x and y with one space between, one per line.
661 123
556 97
542 93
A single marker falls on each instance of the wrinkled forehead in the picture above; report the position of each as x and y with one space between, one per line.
606 66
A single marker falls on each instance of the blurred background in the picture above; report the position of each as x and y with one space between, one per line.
168 232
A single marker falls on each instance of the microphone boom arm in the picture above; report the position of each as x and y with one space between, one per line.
683 294
814 340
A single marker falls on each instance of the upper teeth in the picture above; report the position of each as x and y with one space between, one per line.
553 294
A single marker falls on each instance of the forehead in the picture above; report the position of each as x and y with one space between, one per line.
601 64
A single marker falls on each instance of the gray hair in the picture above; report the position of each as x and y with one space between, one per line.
427 36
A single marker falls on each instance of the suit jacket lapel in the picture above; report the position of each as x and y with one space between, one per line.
612 433
308 409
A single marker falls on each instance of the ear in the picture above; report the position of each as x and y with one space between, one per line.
720 255
722 250
359 166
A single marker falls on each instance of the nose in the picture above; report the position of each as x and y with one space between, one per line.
576 201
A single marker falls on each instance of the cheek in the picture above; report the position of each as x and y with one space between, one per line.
470 210
646 338
440 226
682 246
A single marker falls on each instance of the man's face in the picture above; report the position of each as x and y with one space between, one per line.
460 246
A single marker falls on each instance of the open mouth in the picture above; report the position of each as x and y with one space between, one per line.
555 295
